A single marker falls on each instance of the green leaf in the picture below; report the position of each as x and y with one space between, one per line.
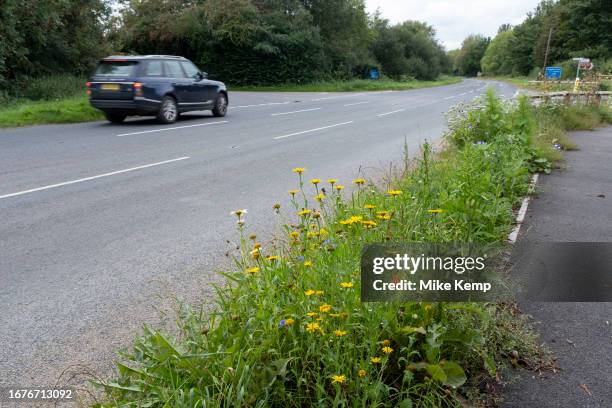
455 376
436 372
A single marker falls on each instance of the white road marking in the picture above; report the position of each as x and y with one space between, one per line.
171 128
297 111
356 103
461 94
449 97
112 173
390 113
313 130
262 104
522 211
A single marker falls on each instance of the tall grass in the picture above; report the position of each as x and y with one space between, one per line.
289 329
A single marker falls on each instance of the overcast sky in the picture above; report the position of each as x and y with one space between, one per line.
456 19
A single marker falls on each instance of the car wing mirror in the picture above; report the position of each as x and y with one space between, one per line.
202 75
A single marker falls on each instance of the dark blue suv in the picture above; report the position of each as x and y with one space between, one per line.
153 85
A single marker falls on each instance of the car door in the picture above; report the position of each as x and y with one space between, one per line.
181 84
204 90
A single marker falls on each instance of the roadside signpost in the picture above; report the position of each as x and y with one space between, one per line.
553 72
583 63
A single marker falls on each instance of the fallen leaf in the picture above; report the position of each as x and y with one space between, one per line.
586 389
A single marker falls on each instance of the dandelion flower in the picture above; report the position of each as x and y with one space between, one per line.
312 314
375 360
368 223
319 292
369 207
394 193
315 181
338 379
332 181
310 292
319 197
255 253
276 207
387 350
435 211
289 322
299 170
346 285
304 212
359 181
361 373
339 187
252 271
273 258
307 264
293 192
386 342
340 333
294 234
325 308
312 327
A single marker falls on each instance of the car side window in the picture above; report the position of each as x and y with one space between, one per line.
154 69
190 69
173 69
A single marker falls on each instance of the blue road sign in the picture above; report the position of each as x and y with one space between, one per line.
553 72
374 74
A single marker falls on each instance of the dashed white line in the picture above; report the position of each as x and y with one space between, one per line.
171 128
449 97
356 103
262 104
313 130
390 113
112 173
297 111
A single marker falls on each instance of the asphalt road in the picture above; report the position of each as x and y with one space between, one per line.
572 205
101 224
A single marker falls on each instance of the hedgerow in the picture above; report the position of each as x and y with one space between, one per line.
289 328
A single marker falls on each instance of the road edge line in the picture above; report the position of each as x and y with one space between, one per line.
520 217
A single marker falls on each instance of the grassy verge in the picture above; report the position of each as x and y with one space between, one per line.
289 328
353 85
67 110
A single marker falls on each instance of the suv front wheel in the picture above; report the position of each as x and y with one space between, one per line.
220 108
168 111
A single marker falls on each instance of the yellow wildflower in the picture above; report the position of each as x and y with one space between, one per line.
289 322
394 193
255 253
273 258
368 223
310 292
346 285
294 234
339 187
293 192
276 207
369 207
315 181
340 333
312 314
256 245
307 264
387 350
319 197
325 308
319 292
332 181
338 379
304 212
375 360
252 271
359 181
362 373
299 170
436 211
386 342
312 327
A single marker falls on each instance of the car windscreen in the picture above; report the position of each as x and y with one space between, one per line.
115 68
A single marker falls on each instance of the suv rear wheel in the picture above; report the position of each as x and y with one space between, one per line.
220 108
115 117
168 111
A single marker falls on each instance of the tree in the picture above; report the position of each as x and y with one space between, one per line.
472 51
496 59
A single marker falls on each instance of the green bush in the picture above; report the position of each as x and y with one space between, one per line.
289 328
